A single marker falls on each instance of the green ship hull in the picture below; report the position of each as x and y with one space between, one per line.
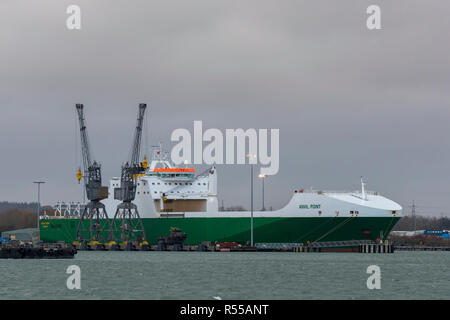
227 229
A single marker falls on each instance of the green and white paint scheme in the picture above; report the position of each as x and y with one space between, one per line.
168 196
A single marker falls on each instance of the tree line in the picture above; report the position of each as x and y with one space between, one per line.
422 223
19 215
28 206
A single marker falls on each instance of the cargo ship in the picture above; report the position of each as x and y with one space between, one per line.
171 196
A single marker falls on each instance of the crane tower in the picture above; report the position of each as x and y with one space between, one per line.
94 225
127 225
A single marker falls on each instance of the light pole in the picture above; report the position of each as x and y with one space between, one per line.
39 206
263 176
252 158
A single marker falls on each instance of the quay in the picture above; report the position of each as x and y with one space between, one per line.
37 252
164 245
421 248
67 251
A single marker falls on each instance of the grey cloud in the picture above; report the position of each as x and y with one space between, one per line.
348 101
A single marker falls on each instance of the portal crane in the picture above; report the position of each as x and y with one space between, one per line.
127 225
94 224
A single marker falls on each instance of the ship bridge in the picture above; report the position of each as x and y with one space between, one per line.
166 189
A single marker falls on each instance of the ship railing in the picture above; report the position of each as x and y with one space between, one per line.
168 177
67 210
324 244
194 195
279 246
347 243
357 192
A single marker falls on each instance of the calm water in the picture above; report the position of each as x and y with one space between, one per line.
190 275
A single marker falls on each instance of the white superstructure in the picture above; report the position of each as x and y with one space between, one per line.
169 191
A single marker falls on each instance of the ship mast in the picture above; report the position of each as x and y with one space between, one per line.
363 189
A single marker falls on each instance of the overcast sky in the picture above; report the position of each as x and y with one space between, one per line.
348 101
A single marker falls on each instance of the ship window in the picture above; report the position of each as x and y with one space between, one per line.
158 183
351 212
153 183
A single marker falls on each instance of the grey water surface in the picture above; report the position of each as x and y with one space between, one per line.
198 275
